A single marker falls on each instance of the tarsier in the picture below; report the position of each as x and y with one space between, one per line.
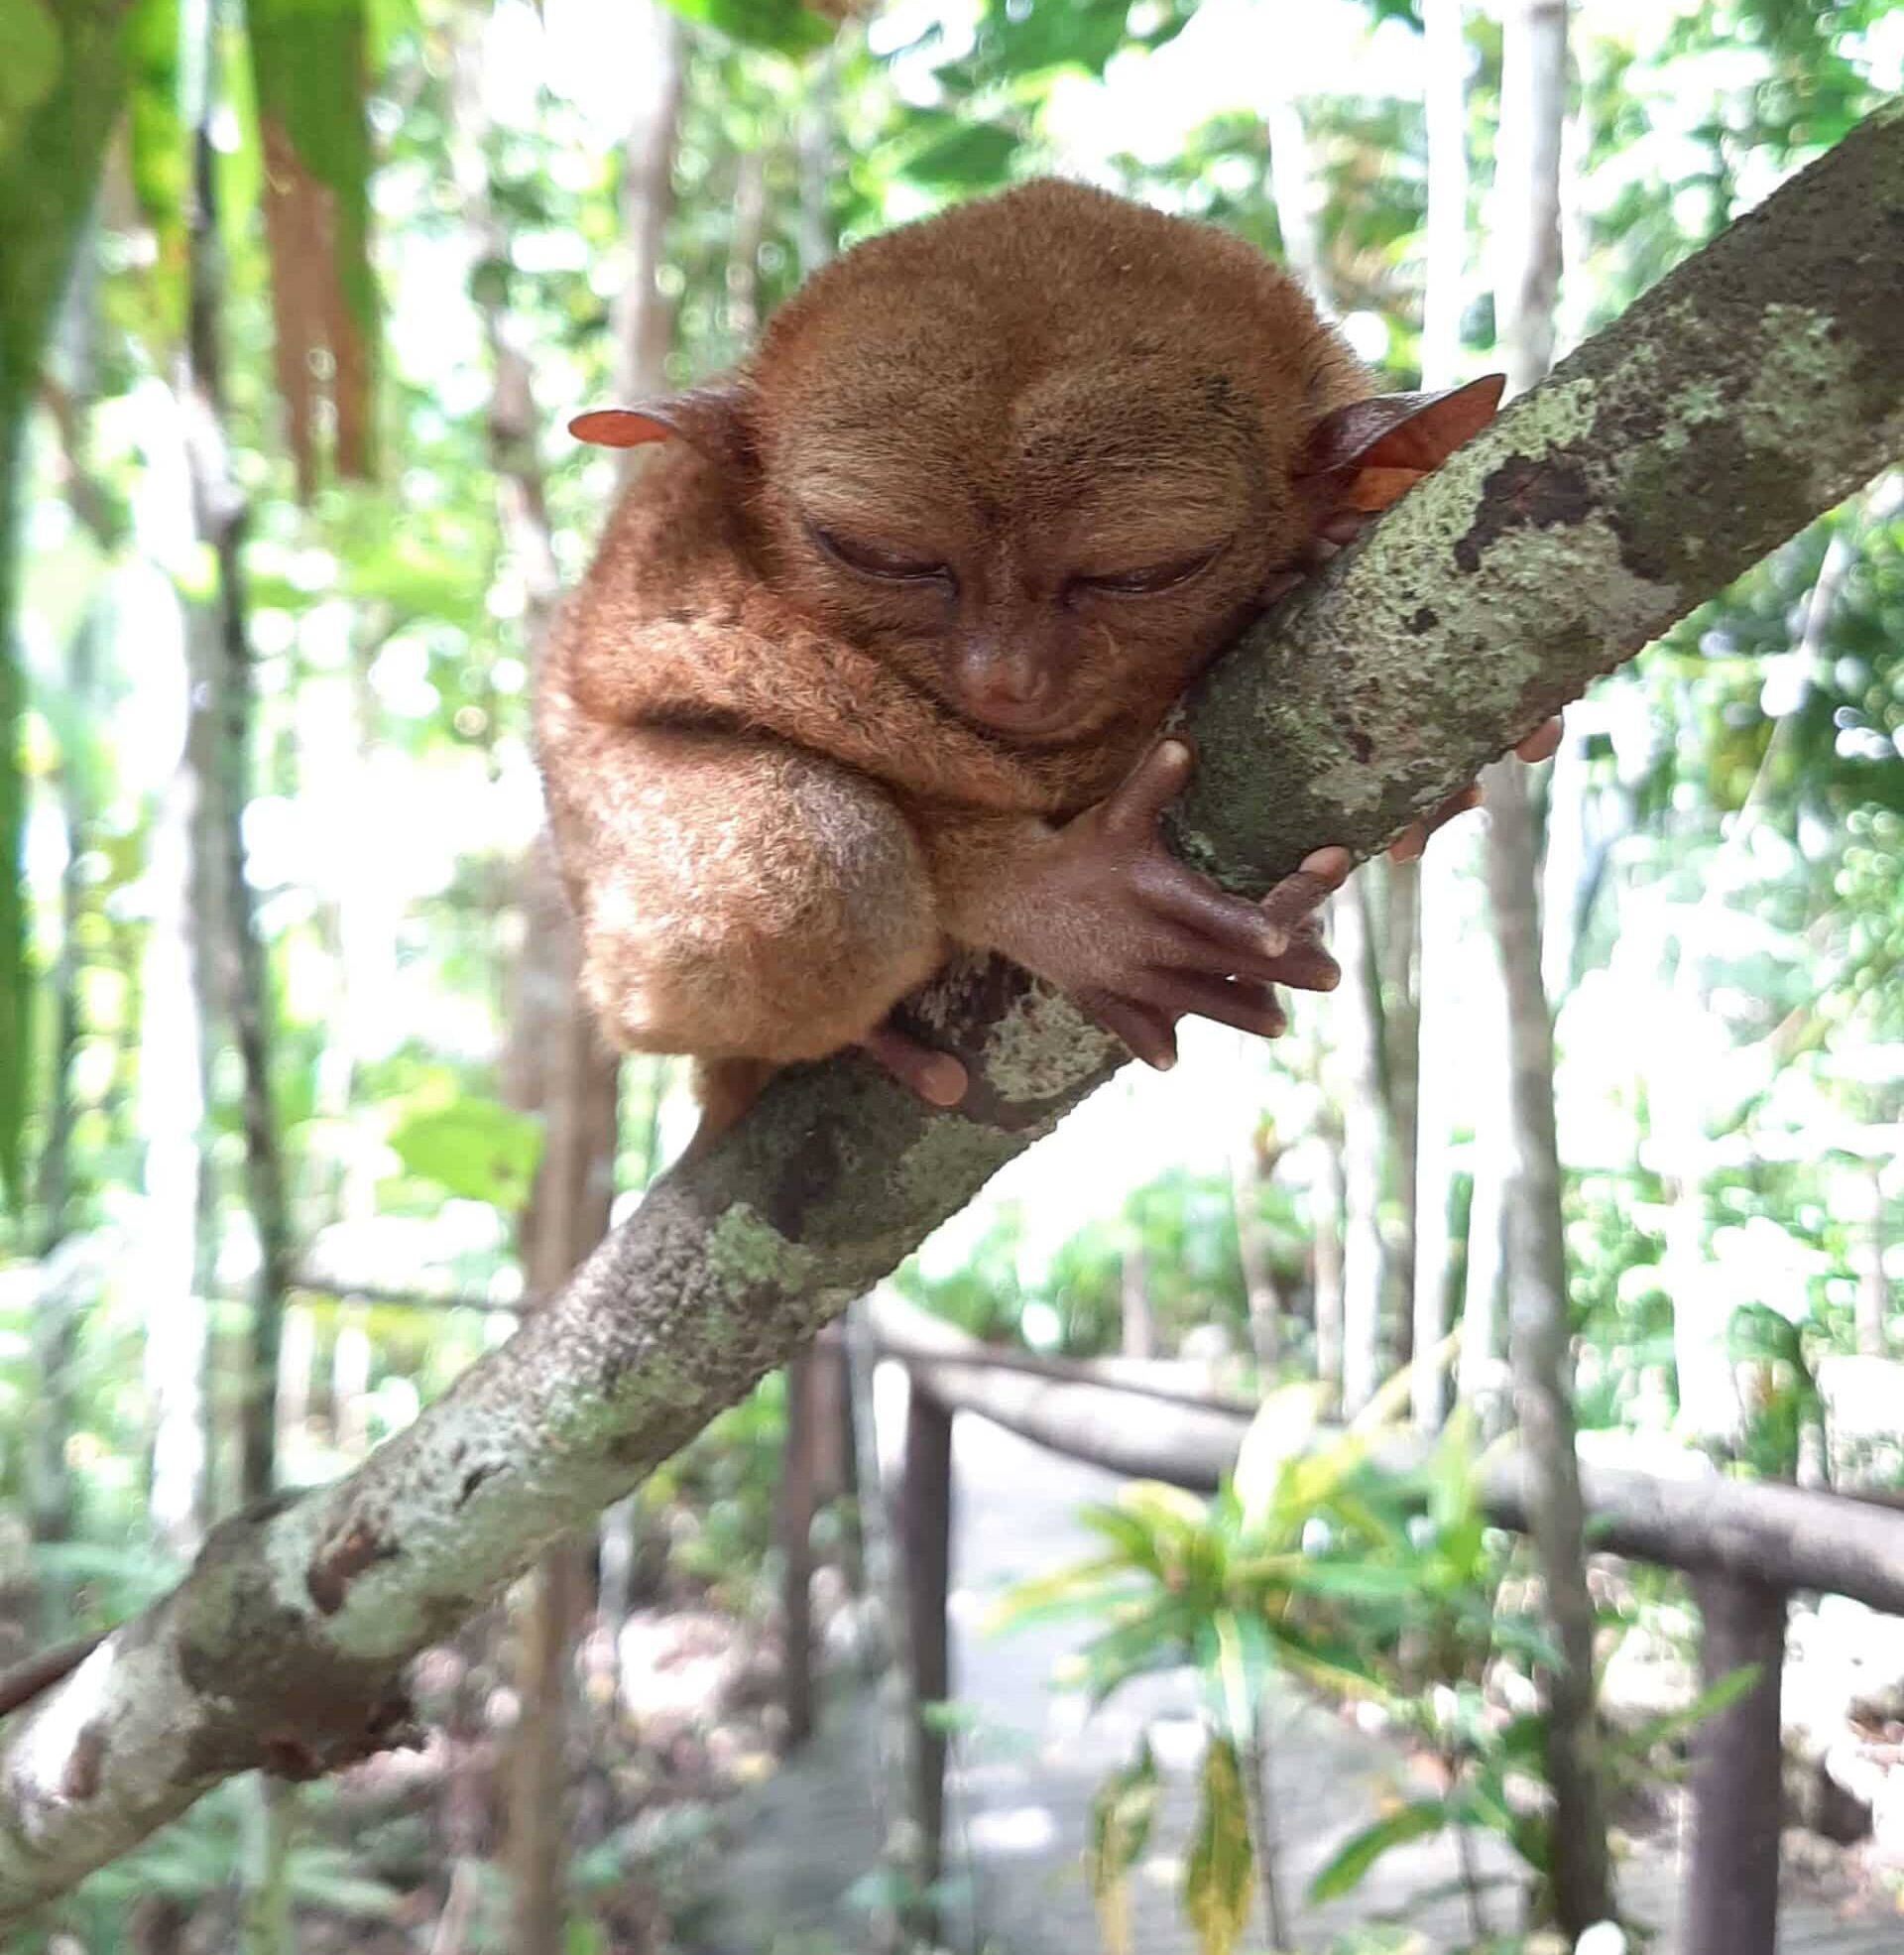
871 662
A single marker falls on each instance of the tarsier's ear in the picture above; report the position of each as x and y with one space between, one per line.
710 420
1366 456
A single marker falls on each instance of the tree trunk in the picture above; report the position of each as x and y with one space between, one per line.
645 317
1445 83
1437 891
795 1519
1134 1297
1443 1078
744 250
1356 1018
1292 189
1399 964
1533 120
50 1416
230 941
1540 1342
173 1069
1325 1236
1483 1303
1540 1339
1251 1162
1738 1776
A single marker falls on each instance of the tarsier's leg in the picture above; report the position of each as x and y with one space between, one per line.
739 899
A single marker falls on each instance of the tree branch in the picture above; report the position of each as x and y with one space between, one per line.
1754 388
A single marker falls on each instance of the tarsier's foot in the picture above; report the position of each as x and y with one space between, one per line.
936 1077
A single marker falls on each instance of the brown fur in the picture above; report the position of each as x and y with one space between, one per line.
781 787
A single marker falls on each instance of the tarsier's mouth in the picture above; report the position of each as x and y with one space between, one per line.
1047 726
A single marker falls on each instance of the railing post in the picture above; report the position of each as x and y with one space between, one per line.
925 1507
796 1552
1738 1780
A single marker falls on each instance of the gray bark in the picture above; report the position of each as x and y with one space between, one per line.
1444 86
1662 458
1539 1335
1540 1344
1398 962
1355 1020
1326 1203
1251 1162
1443 303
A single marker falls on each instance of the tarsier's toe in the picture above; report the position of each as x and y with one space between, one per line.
936 1077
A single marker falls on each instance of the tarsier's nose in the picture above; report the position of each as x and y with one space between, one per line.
1012 690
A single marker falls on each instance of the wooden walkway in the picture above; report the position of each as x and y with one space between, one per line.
1025 1773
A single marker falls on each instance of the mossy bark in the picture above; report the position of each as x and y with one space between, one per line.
1746 394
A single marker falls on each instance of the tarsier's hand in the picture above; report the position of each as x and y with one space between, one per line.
1102 910
1140 941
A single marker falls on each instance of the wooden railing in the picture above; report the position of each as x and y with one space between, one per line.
1747 1545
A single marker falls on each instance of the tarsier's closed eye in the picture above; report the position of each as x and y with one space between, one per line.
1150 581
895 566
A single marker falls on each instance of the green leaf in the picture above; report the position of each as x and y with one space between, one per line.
1353 1858
478 1148
29 62
584 1936
784 26
1216 1876
1122 1816
964 156
1085 1586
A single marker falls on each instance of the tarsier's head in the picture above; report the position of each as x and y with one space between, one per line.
1046 453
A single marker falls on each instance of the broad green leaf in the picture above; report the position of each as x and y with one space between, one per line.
1122 1816
29 62
969 155
478 1148
1353 1858
1353 1581
1216 1876
787 27
1085 1584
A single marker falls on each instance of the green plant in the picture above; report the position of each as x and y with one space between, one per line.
1261 1580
